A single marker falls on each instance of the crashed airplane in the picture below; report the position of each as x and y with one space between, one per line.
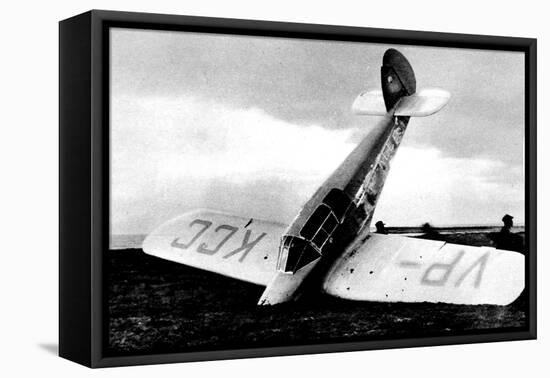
329 246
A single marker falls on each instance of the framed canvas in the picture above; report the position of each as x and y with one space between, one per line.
226 192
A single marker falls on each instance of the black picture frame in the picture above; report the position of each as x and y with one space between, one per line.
84 168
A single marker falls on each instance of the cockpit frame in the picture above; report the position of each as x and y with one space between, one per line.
297 251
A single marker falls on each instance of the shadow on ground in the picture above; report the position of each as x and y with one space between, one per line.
51 348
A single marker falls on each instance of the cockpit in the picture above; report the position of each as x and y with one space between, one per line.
297 251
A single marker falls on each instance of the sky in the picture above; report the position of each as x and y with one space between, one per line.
253 125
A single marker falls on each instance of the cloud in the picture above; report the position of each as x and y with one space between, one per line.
305 82
170 155
425 185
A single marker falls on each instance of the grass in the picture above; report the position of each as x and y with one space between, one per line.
156 306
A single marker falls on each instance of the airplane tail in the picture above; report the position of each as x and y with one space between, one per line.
398 95
341 210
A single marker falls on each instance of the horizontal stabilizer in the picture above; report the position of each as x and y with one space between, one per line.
390 268
421 104
370 103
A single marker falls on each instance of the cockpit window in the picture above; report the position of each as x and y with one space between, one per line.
320 238
314 222
338 202
298 251
320 226
295 253
329 224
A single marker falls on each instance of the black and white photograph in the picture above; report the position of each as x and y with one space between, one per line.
244 189
271 192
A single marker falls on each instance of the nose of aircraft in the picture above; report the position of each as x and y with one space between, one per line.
284 286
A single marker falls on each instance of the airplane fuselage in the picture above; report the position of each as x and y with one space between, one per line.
337 214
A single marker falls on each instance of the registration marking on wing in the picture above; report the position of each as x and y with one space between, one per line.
438 273
216 237
238 247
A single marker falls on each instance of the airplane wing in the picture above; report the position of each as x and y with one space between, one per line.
391 268
238 247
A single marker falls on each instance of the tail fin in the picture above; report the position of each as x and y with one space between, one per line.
398 95
397 78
